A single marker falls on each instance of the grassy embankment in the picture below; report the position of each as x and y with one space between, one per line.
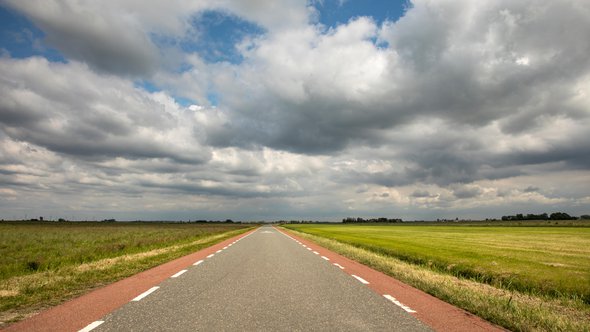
522 278
44 264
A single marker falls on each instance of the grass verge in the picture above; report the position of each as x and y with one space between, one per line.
511 309
536 260
55 280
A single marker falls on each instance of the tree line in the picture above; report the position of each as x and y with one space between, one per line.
351 220
542 216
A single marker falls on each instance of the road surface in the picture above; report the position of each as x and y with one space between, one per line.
266 281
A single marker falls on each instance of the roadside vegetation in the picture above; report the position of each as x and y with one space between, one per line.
522 278
43 264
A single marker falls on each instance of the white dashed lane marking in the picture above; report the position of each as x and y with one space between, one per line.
363 281
210 255
398 303
360 279
92 326
177 274
198 262
146 293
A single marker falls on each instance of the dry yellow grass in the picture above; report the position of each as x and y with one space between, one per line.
8 293
110 262
513 310
23 295
13 286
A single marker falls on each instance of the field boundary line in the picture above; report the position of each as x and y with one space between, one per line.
439 315
94 305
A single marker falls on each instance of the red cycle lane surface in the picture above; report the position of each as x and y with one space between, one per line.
79 312
437 314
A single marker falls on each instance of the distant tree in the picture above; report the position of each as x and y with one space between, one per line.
542 216
561 216
585 217
530 216
373 220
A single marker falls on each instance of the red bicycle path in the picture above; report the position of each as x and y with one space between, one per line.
78 313
439 315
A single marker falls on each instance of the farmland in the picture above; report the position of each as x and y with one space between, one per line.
498 265
43 264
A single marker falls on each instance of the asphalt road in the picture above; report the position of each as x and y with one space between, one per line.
264 282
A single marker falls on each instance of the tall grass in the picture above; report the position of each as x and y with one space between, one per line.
503 301
552 261
43 264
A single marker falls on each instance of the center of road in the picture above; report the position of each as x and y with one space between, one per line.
261 283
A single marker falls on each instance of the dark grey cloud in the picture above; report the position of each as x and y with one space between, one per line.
196 189
421 193
385 178
502 67
135 39
573 150
455 107
463 192
68 109
99 37
13 115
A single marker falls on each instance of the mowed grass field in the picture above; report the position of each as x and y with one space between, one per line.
548 260
526 274
45 263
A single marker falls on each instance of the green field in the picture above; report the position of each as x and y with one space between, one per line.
548 260
44 263
523 278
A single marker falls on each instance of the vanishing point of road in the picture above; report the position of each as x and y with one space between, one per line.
265 280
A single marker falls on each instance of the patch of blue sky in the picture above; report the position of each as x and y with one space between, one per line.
151 87
21 39
217 35
336 12
147 86
184 102
213 98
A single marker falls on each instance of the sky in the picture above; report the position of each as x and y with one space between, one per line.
293 109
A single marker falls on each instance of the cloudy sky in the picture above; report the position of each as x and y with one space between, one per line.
293 109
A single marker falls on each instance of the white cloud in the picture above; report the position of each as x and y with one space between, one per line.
456 108
523 61
119 38
69 109
91 31
286 14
